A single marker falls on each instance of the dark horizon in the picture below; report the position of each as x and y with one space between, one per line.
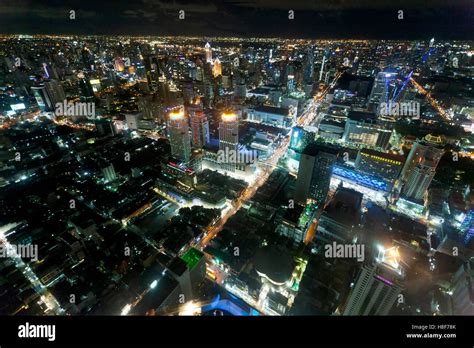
360 19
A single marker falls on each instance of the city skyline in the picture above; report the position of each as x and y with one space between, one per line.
304 161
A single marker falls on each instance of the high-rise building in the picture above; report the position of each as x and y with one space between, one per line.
309 66
420 166
461 290
321 71
217 68
163 90
467 227
419 180
300 138
430 147
152 71
381 89
229 139
108 172
377 286
49 94
314 173
119 65
50 71
55 91
199 129
87 93
178 130
87 58
42 98
290 84
208 51
341 218
150 106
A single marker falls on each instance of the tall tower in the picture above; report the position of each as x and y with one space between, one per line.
419 180
108 172
49 94
87 93
217 68
309 65
322 68
461 290
199 128
208 51
428 147
178 131
381 90
377 286
42 98
420 166
229 139
314 174
290 84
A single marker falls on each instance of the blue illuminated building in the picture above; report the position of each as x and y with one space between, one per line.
228 306
300 138
467 227
366 180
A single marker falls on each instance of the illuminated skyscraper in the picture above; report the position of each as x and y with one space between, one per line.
290 84
420 166
381 89
309 66
108 172
229 138
322 68
461 290
42 98
55 91
419 180
199 128
217 68
429 147
467 227
314 174
119 65
152 70
178 130
48 94
377 286
208 51
87 93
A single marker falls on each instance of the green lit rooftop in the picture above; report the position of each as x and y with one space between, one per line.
192 257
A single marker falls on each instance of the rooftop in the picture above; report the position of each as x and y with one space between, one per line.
272 110
192 257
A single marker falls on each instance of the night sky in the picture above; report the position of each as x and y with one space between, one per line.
423 19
